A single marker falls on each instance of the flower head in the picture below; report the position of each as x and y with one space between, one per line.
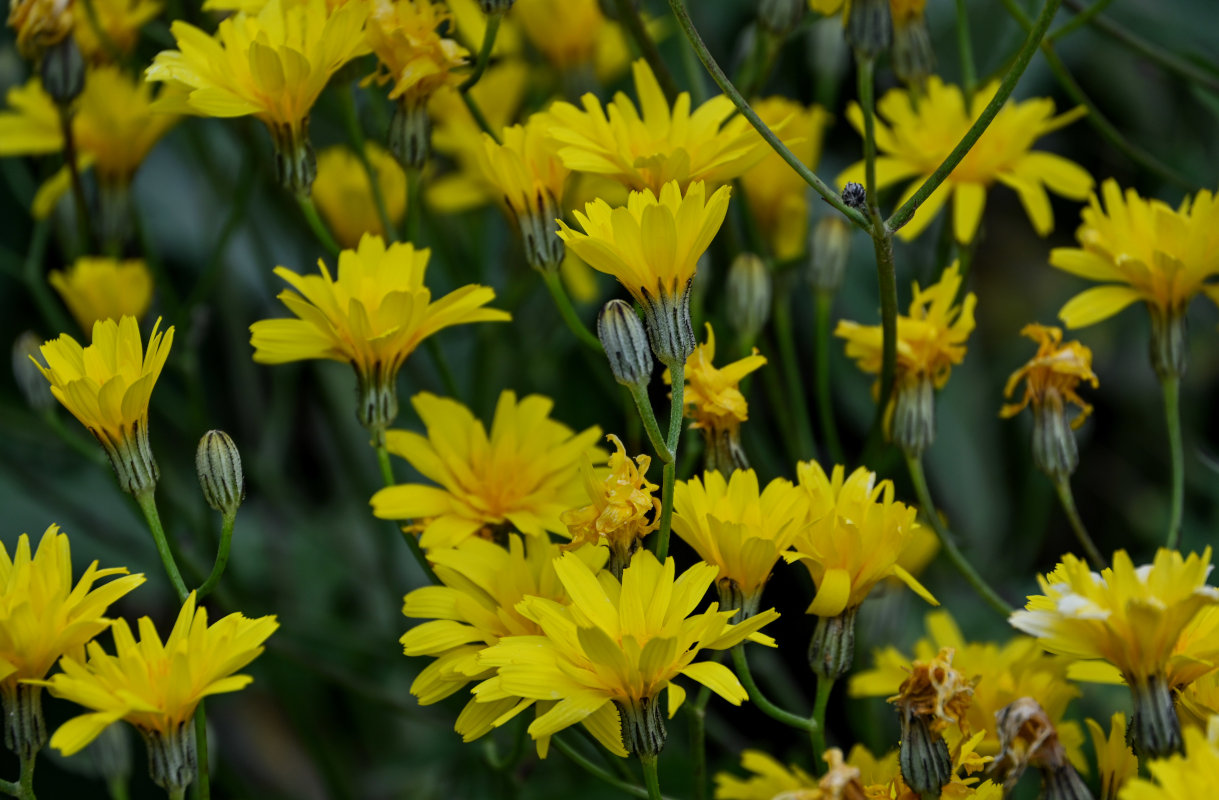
1181 777
411 52
521 476
156 685
855 535
1053 375
344 195
648 147
713 397
373 316
742 530
120 21
104 288
573 35
40 24
107 386
618 642
924 126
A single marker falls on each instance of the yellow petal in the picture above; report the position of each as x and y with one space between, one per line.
1093 305
832 594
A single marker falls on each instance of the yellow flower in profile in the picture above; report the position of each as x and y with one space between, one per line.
104 288
475 607
1133 619
778 197
1115 761
618 643
769 779
1181 777
272 65
411 52
114 127
40 24
1144 250
372 316
650 146
107 386
157 685
739 528
624 507
120 22
344 195
522 476
1052 376
713 399
857 532
924 126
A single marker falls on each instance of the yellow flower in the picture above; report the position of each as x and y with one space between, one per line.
1181 777
153 685
1198 701
740 529
114 127
476 606
412 54
522 476
575 37
923 129
104 288
648 147
778 197
272 65
622 502
1115 761
107 386
856 533
344 195
618 644
39 24
120 22
372 316
1051 376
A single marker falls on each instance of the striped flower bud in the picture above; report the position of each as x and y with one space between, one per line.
749 294
218 464
625 342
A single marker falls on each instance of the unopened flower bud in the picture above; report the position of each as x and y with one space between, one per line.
780 17
218 463
923 757
410 134
869 28
495 6
63 71
934 696
854 195
643 725
749 295
626 343
913 423
913 57
829 248
172 756
30 380
832 648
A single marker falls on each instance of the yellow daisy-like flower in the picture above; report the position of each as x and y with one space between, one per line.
857 532
114 127
1133 619
344 195
1115 761
574 35
1144 250
923 129
43 616
40 24
120 22
618 644
778 197
522 476
104 288
1181 777
157 686
624 507
1198 701
475 607
652 246
930 340
712 398
107 386
272 65
372 316
1052 376
739 528
650 146
411 52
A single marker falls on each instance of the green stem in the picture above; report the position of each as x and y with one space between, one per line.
902 215
677 408
992 598
824 302
11 788
83 229
203 788
969 72
555 285
316 225
1172 415
698 742
412 542
639 393
668 480
651 776
484 52
628 15
25 782
117 788
824 687
806 724
52 312
148 504
222 556
677 373
178 793
442 366
414 193
479 117
793 375
717 74
1080 19
597 772
1063 486
355 135
865 82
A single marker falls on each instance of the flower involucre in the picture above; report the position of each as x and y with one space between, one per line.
96 288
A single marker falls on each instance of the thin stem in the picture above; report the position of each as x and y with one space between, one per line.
479 117
1063 486
969 72
12 788
677 373
148 504
992 598
203 788
824 302
355 135
865 83
628 15
1077 22
1172 415
793 375
83 229
414 191
651 776
698 742
555 285
717 74
52 312
597 772
484 52
677 408
668 481
902 215
412 542
316 225
117 788
177 793
639 393
824 687
222 556
886 278
25 782
806 724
